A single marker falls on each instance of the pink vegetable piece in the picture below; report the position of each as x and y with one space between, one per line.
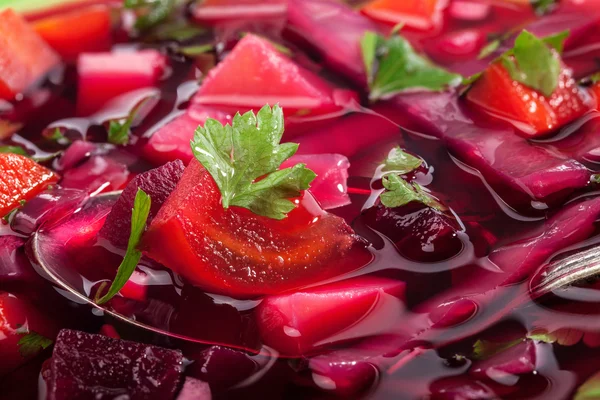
255 73
343 376
518 359
469 10
158 183
194 389
98 174
324 25
330 186
293 323
172 141
103 76
95 366
219 11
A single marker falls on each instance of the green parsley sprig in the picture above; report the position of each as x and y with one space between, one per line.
139 217
243 158
393 66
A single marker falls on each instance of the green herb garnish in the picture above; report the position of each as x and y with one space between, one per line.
590 390
393 66
118 131
243 158
399 193
489 49
139 217
32 343
484 349
152 12
533 61
178 31
14 150
400 162
193 51
542 7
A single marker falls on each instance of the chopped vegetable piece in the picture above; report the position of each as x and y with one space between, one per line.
590 389
18 319
139 217
316 245
82 30
330 185
157 183
237 155
219 11
97 174
293 323
399 68
255 73
399 192
331 24
24 56
194 389
86 366
418 14
103 76
172 141
21 179
401 162
531 112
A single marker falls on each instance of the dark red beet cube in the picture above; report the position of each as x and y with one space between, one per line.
419 232
88 366
158 183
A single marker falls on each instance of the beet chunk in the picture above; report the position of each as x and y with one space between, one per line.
88 366
158 183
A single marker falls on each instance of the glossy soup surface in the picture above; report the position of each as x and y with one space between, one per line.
454 313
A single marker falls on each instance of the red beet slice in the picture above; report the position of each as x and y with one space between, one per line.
97 174
419 232
220 11
293 323
326 25
103 76
341 375
172 141
194 389
92 366
158 183
255 73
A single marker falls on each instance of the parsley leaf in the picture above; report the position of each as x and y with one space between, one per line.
14 150
595 78
489 49
237 155
139 216
542 7
32 343
590 389
153 12
178 31
533 62
399 193
118 132
401 162
400 68
193 51
484 349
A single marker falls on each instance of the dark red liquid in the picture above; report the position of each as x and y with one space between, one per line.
404 354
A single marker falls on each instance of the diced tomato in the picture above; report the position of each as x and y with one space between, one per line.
136 287
172 141
595 91
24 56
21 179
240 254
103 76
294 324
418 14
255 73
532 113
18 318
214 11
77 31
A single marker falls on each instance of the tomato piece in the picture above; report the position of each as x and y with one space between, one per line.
532 113
103 76
240 254
24 56
21 179
418 14
595 92
293 323
255 73
17 318
77 31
